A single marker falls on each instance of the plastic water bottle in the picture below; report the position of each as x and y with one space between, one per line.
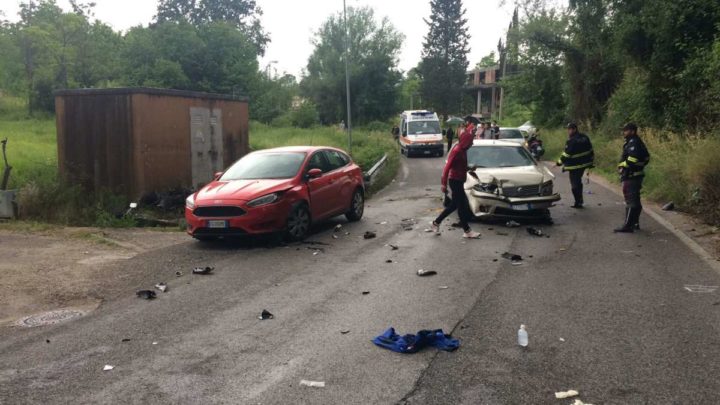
522 336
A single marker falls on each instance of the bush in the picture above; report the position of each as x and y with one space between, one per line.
379 126
282 121
67 204
305 116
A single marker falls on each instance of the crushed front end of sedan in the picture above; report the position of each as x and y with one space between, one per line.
507 182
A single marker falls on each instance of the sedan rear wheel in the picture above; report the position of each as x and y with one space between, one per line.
357 206
298 223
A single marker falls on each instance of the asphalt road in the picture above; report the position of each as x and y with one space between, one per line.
631 333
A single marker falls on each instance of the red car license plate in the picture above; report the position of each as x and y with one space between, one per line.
217 224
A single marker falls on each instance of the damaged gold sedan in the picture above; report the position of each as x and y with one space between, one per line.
507 182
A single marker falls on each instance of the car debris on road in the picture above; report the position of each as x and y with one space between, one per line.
314 384
512 224
426 273
162 287
512 257
265 315
108 367
146 294
369 235
566 394
536 232
201 270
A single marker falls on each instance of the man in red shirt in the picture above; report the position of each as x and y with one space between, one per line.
454 176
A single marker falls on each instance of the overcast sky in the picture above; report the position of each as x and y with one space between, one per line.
291 24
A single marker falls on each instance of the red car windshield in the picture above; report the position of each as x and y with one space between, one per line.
281 165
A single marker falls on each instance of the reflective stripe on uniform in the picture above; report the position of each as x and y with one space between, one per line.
633 159
582 166
579 155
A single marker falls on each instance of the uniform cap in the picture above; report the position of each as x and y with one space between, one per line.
571 125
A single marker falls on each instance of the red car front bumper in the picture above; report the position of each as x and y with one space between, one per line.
260 220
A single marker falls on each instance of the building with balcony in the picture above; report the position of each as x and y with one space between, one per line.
482 85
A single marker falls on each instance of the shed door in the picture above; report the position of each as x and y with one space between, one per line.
206 144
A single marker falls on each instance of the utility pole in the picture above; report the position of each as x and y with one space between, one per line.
502 87
347 78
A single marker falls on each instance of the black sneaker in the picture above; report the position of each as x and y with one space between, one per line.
577 206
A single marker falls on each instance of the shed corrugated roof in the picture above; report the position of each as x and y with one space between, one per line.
150 91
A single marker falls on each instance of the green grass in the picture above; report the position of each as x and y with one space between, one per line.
367 146
32 153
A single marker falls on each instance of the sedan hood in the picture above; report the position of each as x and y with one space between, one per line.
244 190
513 176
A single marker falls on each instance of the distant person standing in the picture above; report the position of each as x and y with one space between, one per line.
496 129
480 131
342 125
631 168
489 132
450 135
577 157
395 131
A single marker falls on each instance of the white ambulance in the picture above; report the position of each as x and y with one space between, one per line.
420 133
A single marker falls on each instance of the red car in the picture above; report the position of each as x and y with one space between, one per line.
277 190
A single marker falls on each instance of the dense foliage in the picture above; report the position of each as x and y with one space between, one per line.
609 61
444 57
374 78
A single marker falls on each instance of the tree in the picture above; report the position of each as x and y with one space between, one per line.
444 58
488 60
273 97
410 90
215 57
62 50
374 78
242 14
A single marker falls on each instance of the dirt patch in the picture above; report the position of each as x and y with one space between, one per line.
55 268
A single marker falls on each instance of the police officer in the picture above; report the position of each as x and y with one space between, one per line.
577 157
631 168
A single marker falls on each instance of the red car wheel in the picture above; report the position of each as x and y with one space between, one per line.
298 223
357 206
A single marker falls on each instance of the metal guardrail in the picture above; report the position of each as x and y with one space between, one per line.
377 167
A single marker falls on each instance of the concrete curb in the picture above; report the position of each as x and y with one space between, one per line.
687 240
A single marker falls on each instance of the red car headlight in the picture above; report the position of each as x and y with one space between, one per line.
264 200
190 202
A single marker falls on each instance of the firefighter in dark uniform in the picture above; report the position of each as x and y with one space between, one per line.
577 157
635 158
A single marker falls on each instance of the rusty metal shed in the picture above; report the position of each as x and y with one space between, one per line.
137 140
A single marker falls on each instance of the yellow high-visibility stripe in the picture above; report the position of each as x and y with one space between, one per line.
582 166
579 155
633 159
623 164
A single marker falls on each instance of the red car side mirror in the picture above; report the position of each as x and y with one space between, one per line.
314 173
218 175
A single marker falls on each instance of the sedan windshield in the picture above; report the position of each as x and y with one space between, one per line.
423 127
510 134
498 156
265 166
